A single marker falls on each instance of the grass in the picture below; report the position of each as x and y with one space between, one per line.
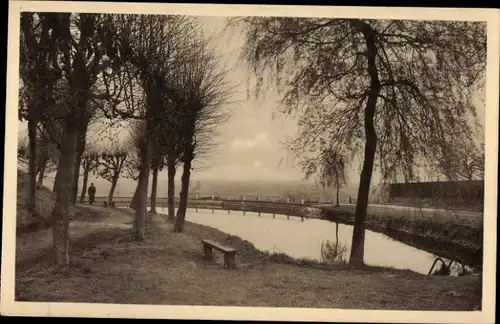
459 228
44 204
31 247
45 199
108 266
167 268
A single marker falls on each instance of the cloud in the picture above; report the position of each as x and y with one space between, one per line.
248 143
257 164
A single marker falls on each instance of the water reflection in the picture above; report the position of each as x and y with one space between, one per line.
303 239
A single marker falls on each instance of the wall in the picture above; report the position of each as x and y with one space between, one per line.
439 194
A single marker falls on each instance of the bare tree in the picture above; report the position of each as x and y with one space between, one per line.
204 90
173 162
169 147
194 190
47 148
396 90
330 171
81 142
157 164
46 156
89 163
84 51
39 74
133 164
153 47
110 165
134 143
23 150
465 161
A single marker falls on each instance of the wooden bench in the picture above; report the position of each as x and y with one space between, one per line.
229 253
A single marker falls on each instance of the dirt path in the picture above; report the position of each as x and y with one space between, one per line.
31 245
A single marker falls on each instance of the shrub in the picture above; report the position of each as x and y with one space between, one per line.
281 257
333 253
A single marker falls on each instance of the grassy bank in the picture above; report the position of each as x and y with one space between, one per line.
472 205
454 235
447 234
27 222
108 266
167 268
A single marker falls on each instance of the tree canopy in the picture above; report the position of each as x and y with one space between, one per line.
399 92
428 72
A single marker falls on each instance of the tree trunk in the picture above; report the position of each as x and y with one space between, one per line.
141 192
338 188
41 174
56 179
112 190
54 187
154 186
181 212
80 149
133 202
337 232
171 187
76 177
32 165
64 184
358 237
84 185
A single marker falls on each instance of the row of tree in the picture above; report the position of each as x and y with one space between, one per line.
108 164
157 73
397 94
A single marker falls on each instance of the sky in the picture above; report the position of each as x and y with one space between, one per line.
251 143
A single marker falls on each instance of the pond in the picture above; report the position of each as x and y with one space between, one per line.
304 239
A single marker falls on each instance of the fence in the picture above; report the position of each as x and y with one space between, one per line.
288 208
219 198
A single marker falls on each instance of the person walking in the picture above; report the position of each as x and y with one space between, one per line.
91 192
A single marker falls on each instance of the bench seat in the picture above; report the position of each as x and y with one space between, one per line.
229 252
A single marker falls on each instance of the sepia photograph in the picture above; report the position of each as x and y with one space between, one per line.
250 162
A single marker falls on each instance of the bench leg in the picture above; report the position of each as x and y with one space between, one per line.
207 252
229 261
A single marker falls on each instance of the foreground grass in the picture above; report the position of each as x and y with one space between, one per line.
167 268
33 246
